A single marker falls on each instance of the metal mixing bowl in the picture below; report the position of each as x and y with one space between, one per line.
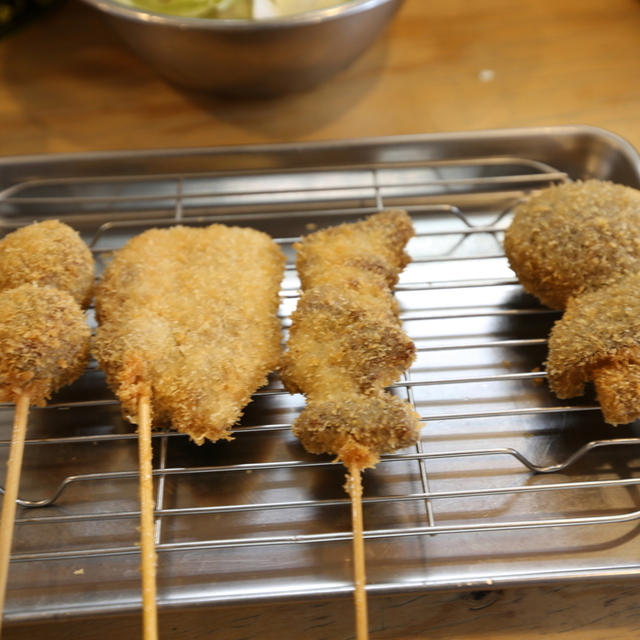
250 57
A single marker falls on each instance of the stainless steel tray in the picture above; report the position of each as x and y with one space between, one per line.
486 500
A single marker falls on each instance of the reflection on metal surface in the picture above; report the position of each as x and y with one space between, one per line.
508 485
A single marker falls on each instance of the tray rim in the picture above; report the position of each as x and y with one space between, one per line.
497 135
492 136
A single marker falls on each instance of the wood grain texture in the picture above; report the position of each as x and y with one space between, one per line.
578 612
68 84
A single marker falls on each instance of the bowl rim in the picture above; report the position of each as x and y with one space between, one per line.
344 9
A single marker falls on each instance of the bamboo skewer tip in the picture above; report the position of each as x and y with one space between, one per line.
11 488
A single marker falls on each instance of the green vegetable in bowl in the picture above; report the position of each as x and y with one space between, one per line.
276 8
230 9
240 9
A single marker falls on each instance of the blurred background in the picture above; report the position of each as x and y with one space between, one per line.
69 83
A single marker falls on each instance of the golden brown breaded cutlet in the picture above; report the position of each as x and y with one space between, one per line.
372 247
44 342
577 247
191 313
346 344
49 254
574 237
598 339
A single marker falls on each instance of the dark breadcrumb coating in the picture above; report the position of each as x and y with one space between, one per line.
598 339
339 423
191 315
574 237
49 254
44 342
346 343
355 334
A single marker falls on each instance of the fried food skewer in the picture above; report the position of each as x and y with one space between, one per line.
576 246
598 340
46 273
574 237
346 343
187 332
49 254
44 345
345 346
192 313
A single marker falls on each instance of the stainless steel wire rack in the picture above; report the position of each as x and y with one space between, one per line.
507 486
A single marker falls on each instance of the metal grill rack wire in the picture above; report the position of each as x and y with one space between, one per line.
499 456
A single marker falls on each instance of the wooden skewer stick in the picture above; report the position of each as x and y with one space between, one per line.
147 527
354 487
12 484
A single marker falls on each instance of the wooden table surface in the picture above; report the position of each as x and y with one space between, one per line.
68 84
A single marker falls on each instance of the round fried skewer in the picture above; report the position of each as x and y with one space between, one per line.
574 238
44 345
46 272
576 247
49 254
